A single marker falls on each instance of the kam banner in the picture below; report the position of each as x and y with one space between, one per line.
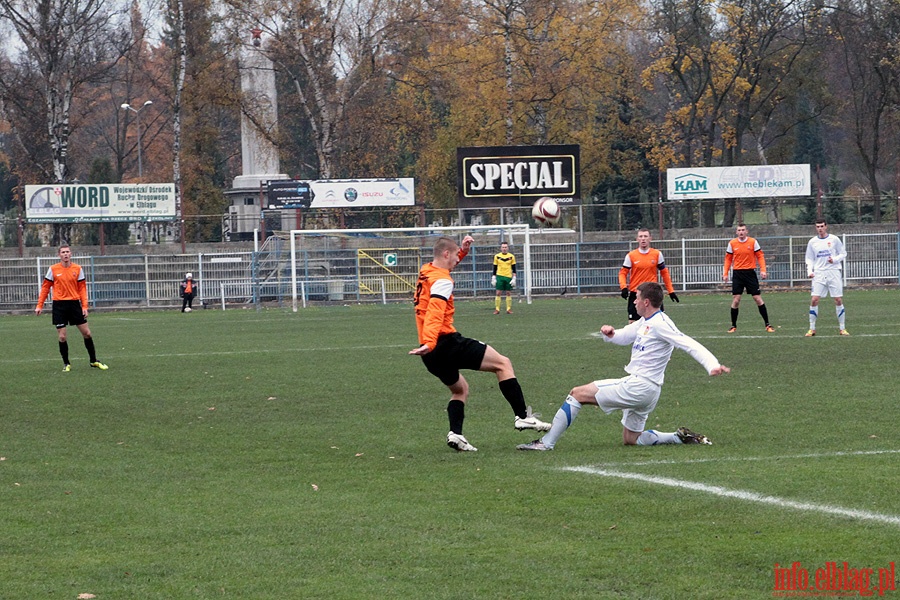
761 181
80 203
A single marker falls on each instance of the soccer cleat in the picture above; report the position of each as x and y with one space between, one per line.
770 329
531 421
67 368
99 365
689 437
844 332
732 329
810 333
496 312
509 311
535 445
459 443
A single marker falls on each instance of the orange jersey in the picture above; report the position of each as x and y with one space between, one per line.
744 255
434 304
68 283
643 268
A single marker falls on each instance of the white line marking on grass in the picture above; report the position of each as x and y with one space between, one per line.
217 353
716 490
747 458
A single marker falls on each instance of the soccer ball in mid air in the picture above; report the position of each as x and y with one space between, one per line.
546 212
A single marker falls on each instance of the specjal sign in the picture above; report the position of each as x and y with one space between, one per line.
499 176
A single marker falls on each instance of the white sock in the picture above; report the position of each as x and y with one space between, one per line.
840 315
561 421
652 438
813 315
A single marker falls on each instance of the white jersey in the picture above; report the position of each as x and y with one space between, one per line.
819 250
652 340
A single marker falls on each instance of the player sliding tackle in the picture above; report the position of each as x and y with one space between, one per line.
652 339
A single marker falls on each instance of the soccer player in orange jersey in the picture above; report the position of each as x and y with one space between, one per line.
741 256
444 351
70 304
641 265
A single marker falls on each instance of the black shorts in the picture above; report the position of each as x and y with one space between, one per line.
68 312
452 353
744 279
632 309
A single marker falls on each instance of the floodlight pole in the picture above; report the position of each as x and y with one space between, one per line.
137 112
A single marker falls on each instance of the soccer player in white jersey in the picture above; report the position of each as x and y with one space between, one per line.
824 255
652 339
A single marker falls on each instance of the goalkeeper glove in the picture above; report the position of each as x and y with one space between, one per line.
512 281
493 280
625 293
674 297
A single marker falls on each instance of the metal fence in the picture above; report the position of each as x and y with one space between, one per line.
330 273
607 214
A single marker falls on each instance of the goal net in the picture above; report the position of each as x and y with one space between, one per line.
382 264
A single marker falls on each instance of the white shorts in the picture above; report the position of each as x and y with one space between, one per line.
635 396
828 282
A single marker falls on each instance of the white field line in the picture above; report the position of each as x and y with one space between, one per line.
748 458
747 496
217 353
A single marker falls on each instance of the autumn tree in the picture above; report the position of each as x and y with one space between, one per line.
331 52
517 72
210 108
727 69
68 43
866 41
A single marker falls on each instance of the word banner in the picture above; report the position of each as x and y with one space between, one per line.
78 203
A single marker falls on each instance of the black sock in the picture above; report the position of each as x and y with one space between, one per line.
734 314
64 351
89 344
513 393
456 410
765 313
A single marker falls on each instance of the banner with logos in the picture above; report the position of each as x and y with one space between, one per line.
347 193
506 176
81 203
761 181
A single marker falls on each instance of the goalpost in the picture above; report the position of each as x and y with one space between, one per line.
400 252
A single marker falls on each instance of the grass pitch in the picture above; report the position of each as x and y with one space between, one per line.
273 455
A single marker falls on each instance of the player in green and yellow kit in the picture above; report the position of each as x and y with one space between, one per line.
504 277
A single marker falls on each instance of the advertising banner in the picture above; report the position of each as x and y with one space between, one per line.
346 193
501 176
288 193
761 181
79 203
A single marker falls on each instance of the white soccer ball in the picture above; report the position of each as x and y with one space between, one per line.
546 212
187 309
